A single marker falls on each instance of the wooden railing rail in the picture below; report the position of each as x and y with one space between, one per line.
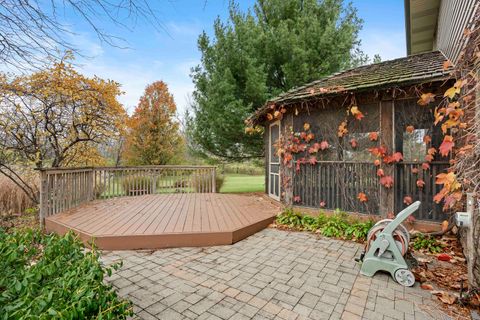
65 188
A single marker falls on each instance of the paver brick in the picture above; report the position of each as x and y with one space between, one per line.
270 275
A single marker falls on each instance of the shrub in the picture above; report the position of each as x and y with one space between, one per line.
201 181
338 225
13 200
52 277
428 243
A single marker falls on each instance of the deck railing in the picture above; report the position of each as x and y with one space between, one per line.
65 188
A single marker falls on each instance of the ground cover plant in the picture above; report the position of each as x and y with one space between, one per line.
338 225
53 277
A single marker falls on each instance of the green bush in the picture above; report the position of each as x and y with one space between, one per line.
53 277
338 225
428 243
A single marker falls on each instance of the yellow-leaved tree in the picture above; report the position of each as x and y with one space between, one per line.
153 133
56 117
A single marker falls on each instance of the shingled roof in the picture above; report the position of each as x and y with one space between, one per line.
399 72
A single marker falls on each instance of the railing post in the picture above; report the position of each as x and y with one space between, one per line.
43 198
214 179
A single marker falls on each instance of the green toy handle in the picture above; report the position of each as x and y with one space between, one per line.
404 214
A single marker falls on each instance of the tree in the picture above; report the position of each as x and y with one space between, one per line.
153 136
55 117
257 55
31 31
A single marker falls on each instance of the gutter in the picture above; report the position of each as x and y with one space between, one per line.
407 26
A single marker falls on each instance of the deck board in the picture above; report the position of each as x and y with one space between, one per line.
167 220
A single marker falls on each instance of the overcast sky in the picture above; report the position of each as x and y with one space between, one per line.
167 53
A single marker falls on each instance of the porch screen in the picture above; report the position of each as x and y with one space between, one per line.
343 170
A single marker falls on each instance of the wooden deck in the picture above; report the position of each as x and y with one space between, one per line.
167 220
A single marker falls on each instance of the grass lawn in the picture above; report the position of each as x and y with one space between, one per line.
237 183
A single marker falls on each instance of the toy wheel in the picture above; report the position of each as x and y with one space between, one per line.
405 277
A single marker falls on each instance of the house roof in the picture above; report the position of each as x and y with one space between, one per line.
403 71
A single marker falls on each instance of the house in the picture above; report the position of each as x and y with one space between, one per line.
364 140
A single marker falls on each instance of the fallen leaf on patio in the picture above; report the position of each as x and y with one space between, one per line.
444 257
425 286
447 298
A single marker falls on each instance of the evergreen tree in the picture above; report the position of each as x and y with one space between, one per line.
257 55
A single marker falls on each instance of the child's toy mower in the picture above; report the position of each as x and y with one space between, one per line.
386 245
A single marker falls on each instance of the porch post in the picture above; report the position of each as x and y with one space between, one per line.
43 198
286 179
387 136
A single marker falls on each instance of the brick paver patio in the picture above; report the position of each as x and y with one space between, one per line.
271 275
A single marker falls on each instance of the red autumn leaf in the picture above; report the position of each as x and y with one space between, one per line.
296 199
380 173
387 181
356 113
322 204
362 197
324 145
314 148
373 136
425 166
309 137
407 200
410 129
378 151
269 116
426 98
427 139
391 215
377 162
397 156
353 143
429 158
287 158
414 170
446 64
431 151
446 145
303 135
426 286
312 160
420 183
444 257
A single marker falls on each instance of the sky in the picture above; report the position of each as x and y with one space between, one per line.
168 51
